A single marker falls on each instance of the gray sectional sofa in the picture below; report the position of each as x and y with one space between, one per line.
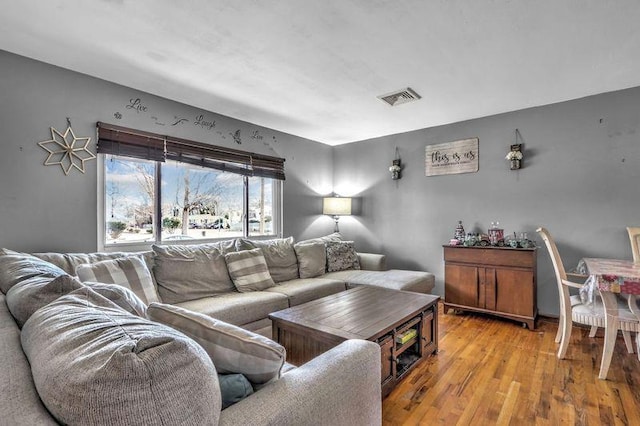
195 277
63 325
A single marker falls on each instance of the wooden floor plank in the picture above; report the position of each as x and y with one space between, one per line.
492 371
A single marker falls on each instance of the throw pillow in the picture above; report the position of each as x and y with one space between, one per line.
121 296
26 297
341 255
279 254
234 388
130 272
248 270
312 259
231 348
18 267
94 364
189 272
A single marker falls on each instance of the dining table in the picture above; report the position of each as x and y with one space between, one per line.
611 277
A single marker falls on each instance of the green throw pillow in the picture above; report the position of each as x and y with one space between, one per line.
234 388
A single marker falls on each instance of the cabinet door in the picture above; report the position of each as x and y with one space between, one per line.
386 352
428 333
487 288
515 292
461 285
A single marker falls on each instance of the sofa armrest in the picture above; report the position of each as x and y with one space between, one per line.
372 261
339 387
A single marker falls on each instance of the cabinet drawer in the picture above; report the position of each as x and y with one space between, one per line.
522 258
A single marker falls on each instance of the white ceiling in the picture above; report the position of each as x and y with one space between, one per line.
314 68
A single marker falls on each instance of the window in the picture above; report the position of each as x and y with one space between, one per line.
160 190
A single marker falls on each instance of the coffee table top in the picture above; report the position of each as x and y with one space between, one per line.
363 312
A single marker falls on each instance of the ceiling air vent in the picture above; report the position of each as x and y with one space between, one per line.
400 97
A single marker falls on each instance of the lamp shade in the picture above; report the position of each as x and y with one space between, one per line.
336 206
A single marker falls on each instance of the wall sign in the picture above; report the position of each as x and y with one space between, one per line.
452 157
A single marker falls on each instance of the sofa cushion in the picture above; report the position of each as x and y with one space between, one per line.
231 348
121 296
93 363
312 259
68 262
239 308
19 401
18 267
341 255
130 272
188 272
29 295
336 236
248 270
304 290
394 279
279 254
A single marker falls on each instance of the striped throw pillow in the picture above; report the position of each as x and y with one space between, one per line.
231 348
130 272
248 270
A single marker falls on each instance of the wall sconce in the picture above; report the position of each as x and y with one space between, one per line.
396 167
336 207
515 154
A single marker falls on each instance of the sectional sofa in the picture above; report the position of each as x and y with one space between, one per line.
150 344
196 277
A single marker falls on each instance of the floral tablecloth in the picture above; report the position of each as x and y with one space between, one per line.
616 276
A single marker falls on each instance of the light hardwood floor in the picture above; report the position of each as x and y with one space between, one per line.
491 371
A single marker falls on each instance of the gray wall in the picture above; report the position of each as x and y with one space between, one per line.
580 180
580 175
42 209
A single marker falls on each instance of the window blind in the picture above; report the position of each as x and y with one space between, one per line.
125 142
122 141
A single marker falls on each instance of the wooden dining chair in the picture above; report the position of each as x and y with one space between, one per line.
634 238
573 310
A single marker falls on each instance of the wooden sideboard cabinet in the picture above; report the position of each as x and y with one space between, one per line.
493 280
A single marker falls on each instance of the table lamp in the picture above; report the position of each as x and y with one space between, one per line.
336 207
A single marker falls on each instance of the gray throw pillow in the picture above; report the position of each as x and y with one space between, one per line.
279 254
95 364
312 259
26 297
234 388
341 255
18 267
192 272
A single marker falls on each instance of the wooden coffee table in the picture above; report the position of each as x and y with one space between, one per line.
404 324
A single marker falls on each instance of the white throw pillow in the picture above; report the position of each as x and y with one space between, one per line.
130 272
231 348
248 270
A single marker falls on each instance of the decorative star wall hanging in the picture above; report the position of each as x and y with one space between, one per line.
67 150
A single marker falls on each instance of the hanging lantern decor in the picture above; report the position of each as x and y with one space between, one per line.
515 155
396 167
